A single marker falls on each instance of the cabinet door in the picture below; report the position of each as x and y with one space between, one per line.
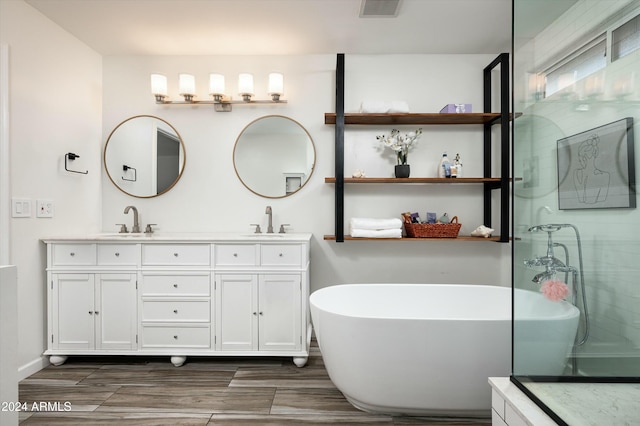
72 311
237 312
280 312
115 313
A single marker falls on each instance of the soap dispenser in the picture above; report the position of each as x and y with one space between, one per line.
444 168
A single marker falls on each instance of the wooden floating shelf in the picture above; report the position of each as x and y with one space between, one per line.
459 238
415 180
422 118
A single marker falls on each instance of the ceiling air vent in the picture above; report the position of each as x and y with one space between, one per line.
379 8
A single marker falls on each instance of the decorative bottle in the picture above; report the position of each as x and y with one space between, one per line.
456 168
444 168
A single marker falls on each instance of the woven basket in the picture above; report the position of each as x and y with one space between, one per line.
432 230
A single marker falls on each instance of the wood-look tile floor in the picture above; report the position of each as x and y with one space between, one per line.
204 391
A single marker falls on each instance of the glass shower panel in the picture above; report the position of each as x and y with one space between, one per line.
576 248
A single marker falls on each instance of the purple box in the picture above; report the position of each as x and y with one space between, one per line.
456 108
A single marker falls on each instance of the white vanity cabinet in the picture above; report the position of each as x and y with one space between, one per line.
260 312
175 295
93 311
261 298
91 299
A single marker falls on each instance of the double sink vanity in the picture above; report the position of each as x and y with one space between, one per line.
179 295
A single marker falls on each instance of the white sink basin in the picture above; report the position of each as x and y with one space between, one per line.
264 235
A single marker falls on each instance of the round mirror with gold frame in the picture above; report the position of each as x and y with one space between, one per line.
274 156
144 156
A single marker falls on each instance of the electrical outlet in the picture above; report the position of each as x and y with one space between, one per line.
44 208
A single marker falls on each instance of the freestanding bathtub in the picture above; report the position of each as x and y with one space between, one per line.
415 349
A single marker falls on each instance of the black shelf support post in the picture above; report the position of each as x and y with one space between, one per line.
339 150
503 61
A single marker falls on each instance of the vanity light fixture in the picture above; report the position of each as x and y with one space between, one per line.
220 102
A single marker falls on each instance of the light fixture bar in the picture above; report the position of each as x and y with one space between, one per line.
222 105
220 101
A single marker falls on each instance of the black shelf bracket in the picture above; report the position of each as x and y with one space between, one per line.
503 61
71 156
339 154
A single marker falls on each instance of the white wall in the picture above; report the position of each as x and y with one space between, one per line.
55 108
609 236
209 197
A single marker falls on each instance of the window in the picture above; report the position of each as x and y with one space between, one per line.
625 39
586 61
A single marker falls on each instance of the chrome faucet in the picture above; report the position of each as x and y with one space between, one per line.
136 225
270 226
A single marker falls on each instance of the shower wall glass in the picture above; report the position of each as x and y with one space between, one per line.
576 84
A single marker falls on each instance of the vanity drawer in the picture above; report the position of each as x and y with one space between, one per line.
176 254
176 337
118 254
176 285
281 254
176 310
236 254
74 254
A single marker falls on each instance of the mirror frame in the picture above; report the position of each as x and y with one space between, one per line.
184 155
313 146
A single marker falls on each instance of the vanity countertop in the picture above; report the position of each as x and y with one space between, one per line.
184 237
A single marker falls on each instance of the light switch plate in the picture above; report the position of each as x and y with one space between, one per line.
44 208
20 207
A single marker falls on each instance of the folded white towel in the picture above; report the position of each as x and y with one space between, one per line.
398 107
372 233
383 107
375 224
374 107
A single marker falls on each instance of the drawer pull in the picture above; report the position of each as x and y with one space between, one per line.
175 286
281 255
175 337
90 312
235 254
255 313
117 254
97 312
175 254
260 313
175 311
72 254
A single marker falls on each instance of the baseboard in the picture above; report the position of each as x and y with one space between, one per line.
32 367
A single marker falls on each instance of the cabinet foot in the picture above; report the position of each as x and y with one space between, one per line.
300 361
177 361
58 359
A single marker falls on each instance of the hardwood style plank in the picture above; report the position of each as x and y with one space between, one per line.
205 391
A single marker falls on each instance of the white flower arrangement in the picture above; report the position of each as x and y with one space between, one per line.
400 143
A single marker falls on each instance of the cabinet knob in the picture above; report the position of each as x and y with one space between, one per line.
235 254
175 254
281 255
175 337
90 312
117 254
255 313
72 254
97 312
260 313
175 286
175 311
